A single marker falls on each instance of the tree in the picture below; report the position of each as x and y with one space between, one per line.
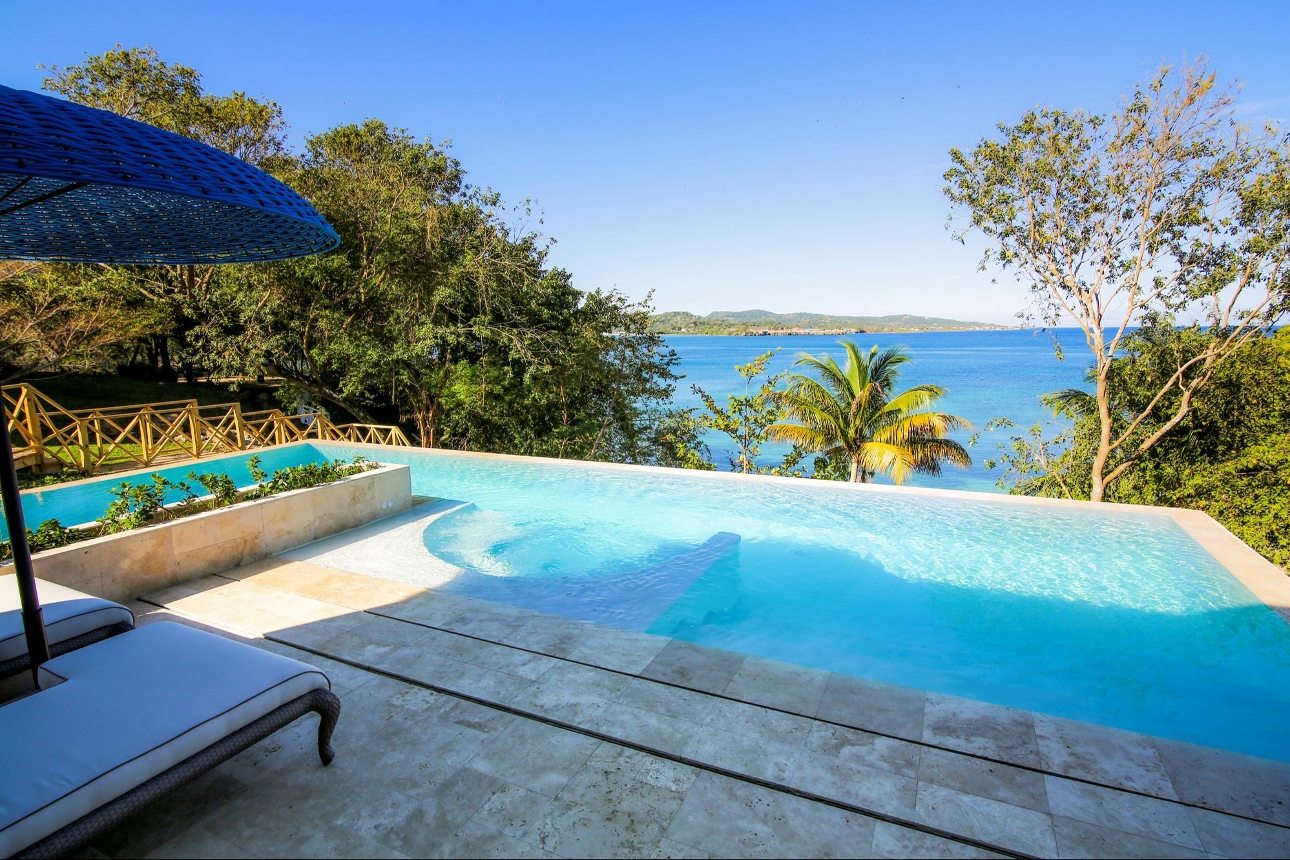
854 412
1167 208
437 312
65 318
1228 457
138 84
745 419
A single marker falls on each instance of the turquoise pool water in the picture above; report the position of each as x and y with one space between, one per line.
1117 619
85 501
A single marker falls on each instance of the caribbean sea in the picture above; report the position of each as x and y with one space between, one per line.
989 374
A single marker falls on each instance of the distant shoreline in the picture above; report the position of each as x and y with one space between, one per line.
835 333
763 323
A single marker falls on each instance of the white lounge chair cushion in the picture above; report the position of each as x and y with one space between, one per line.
128 709
68 613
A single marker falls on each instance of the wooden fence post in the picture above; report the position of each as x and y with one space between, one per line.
83 442
239 428
35 428
145 433
195 430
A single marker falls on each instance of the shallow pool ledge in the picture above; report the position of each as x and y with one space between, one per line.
122 566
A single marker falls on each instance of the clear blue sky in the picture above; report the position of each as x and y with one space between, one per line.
785 156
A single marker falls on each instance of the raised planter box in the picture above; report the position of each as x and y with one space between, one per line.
125 565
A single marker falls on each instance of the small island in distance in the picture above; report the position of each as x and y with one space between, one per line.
761 322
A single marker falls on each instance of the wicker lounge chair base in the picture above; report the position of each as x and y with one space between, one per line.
73 620
127 720
22 663
322 702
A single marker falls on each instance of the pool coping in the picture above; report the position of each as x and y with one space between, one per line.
1268 582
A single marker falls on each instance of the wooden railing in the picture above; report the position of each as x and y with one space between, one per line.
89 440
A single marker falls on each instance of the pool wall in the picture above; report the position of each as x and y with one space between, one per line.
126 565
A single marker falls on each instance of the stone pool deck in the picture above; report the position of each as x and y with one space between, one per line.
477 729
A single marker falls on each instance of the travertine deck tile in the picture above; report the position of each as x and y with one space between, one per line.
980 728
860 747
513 810
1079 839
574 676
557 637
672 701
758 722
199 842
568 705
873 705
899 843
670 849
646 728
1118 810
1000 782
855 784
761 759
779 685
389 631
1229 782
605 811
1012 827
1101 754
483 683
535 756
695 666
728 818
869 746
620 650
1226 836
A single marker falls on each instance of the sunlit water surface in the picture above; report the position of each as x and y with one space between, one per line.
1120 619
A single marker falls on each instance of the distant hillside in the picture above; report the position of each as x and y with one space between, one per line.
765 322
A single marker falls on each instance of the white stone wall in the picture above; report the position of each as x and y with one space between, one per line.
125 565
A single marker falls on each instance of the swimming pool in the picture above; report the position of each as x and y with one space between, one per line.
85 501
1111 617
1105 616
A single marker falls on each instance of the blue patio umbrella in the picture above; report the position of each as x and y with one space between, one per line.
82 185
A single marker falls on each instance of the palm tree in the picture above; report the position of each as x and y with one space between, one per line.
852 411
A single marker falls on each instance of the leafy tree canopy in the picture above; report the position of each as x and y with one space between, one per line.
1167 208
438 311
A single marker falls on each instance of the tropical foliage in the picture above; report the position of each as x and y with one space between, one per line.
1168 208
439 311
745 418
1230 456
853 413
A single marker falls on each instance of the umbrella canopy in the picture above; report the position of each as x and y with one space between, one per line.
83 185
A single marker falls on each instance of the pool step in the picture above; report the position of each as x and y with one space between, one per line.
632 599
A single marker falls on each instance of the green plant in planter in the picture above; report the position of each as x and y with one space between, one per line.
138 505
221 488
48 535
313 474
253 466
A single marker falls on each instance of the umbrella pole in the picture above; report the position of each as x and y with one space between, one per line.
33 619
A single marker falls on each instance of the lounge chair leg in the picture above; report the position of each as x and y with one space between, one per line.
327 706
